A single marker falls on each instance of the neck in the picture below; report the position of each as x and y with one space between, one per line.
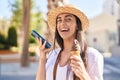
68 44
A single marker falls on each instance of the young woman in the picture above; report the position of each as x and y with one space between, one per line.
69 24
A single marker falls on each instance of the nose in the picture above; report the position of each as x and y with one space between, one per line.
63 22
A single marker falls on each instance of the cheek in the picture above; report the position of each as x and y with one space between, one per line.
58 29
73 31
73 27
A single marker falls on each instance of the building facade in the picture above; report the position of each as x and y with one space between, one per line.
111 7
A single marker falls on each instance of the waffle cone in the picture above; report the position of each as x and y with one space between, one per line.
75 53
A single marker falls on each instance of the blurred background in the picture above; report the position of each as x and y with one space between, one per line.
19 50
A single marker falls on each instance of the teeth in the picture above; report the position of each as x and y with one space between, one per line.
64 29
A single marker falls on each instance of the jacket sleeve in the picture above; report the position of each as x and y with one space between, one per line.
96 64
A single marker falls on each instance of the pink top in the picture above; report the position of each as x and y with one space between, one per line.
94 68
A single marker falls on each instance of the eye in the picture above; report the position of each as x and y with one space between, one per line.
68 19
59 20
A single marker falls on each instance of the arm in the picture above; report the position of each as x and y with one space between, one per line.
41 72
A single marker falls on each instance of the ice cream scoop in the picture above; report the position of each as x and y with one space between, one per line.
75 48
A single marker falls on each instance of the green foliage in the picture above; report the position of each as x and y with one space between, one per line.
12 36
3 42
36 19
16 19
32 54
4 47
17 14
32 39
37 22
2 38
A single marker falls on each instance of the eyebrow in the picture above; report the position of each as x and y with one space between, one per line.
69 15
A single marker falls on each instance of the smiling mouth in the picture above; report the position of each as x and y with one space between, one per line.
64 30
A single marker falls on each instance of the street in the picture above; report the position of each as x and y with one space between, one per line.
17 77
112 68
111 71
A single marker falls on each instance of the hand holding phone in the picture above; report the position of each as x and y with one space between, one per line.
36 35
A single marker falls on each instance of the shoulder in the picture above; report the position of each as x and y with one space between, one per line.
53 53
93 54
51 59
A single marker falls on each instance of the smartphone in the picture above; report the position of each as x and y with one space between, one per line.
37 35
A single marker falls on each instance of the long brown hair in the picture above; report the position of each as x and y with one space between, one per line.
80 37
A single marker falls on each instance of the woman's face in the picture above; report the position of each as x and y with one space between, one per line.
66 25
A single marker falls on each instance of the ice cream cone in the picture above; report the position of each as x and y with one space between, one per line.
75 48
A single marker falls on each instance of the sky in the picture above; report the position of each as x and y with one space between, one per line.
91 8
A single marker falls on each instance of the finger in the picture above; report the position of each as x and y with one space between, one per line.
78 72
43 46
75 57
48 49
73 66
76 69
73 69
77 63
39 42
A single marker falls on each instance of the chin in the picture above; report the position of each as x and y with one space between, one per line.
66 37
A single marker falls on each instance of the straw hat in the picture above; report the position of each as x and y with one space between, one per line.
52 15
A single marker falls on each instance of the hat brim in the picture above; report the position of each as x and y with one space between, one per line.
52 15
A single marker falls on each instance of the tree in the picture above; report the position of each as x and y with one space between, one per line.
26 24
21 14
12 36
